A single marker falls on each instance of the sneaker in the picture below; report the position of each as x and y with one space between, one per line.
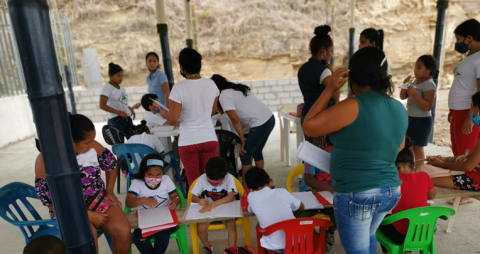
329 240
208 250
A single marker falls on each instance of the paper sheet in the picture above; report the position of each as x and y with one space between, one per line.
162 128
228 210
327 195
314 155
161 105
154 217
193 212
308 199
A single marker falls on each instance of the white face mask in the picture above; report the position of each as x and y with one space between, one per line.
152 182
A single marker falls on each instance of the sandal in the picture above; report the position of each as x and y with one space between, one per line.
463 200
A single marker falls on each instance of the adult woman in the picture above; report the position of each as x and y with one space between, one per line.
243 108
466 82
92 157
371 37
315 74
367 130
157 80
470 180
192 102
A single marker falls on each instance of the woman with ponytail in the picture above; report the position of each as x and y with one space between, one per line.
314 76
367 130
157 80
371 37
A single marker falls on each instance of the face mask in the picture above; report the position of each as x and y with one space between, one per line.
475 119
217 184
461 47
361 46
152 182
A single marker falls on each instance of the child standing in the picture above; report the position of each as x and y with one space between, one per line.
270 206
416 189
214 188
114 100
420 94
152 189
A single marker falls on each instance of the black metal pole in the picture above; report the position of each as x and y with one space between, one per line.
352 42
442 6
167 60
31 23
70 89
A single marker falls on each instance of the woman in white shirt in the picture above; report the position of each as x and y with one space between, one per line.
243 108
192 103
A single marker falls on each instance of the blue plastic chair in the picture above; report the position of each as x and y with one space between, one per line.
9 194
123 150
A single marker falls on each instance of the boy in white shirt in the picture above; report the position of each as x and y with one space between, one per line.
214 188
155 114
270 206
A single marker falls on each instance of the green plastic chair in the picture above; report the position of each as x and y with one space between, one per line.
422 223
178 233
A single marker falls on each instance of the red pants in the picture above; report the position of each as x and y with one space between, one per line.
460 141
195 157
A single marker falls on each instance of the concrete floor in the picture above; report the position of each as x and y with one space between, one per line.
18 159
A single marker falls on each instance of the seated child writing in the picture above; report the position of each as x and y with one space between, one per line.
270 206
214 188
155 114
416 189
152 189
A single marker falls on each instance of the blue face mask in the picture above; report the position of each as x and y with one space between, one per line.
461 47
475 119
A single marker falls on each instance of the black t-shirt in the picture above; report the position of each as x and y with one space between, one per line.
310 85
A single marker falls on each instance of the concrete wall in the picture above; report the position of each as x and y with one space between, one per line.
274 93
16 118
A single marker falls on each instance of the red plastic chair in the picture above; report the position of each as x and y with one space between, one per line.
300 237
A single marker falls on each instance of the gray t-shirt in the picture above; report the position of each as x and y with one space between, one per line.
413 108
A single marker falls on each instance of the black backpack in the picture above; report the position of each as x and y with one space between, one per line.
247 249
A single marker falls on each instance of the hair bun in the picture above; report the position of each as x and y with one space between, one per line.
144 122
111 64
408 142
322 30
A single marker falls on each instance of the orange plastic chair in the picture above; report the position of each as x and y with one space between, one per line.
300 237
245 222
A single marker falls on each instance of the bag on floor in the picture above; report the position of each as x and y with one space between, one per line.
247 249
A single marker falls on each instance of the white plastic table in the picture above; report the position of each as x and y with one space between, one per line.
287 118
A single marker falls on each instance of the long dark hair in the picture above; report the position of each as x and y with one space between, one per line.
190 60
321 39
222 84
469 27
374 36
406 155
80 126
476 99
431 64
366 69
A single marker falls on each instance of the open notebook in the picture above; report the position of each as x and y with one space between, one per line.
314 156
154 220
229 210
314 200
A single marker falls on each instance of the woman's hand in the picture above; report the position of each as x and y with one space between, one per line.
114 198
449 117
150 202
242 148
407 79
467 126
207 208
122 114
97 219
335 82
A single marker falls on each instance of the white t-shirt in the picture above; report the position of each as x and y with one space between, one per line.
154 119
227 124
117 98
206 190
249 109
270 207
464 86
149 140
161 193
327 72
197 97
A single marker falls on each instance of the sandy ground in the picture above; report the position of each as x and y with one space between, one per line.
17 162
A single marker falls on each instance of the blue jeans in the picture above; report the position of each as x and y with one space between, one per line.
145 247
254 144
358 215
123 125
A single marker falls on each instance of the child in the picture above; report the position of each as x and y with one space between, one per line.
143 136
315 180
416 189
222 120
155 115
152 189
46 244
420 101
114 99
214 188
270 206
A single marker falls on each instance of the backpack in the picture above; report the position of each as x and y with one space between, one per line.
247 249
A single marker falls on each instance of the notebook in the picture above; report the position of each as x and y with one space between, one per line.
314 156
229 210
154 220
324 197
308 199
